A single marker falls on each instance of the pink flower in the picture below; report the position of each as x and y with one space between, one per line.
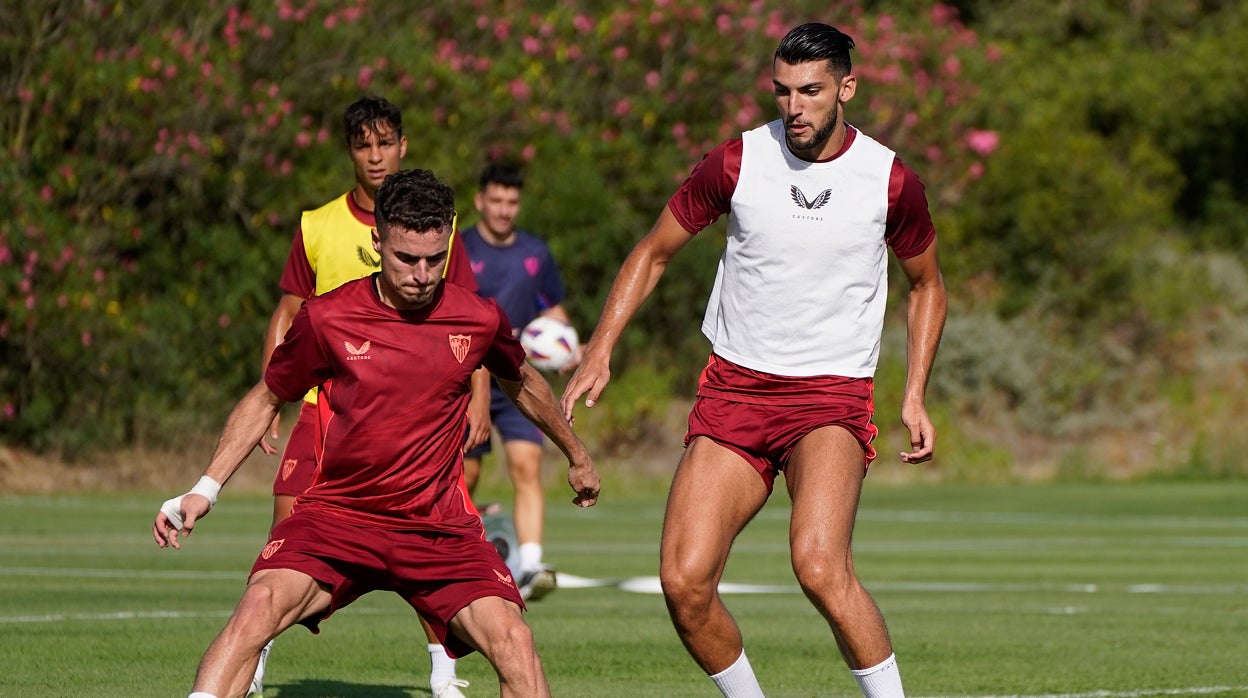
303 139
86 339
976 170
365 77
519 89
45 193
620 53
529 152
622 107
10 412
582 23
982 142
652 79
223 320
531 45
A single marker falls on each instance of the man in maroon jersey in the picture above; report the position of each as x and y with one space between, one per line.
387 510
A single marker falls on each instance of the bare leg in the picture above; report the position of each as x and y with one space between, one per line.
472 474
524 463
824 479
714 495
495 627
274 600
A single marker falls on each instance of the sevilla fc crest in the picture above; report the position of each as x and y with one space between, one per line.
459 345
271 548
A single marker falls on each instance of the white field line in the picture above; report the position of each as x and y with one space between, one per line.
650 585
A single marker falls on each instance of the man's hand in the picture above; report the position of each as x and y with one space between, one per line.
590 379
178 515
922 433
585 483
274 434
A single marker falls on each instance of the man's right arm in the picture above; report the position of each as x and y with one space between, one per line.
635 281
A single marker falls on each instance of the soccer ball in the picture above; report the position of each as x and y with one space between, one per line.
549 343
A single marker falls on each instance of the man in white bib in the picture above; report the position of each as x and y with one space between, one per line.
794 319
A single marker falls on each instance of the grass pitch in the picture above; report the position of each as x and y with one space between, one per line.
1074 591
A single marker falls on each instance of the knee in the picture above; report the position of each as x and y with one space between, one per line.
685 585
828 579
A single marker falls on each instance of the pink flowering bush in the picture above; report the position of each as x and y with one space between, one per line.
157 157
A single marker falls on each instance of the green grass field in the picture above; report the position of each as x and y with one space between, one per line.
1096 591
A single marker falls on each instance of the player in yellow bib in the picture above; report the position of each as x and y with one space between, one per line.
333 246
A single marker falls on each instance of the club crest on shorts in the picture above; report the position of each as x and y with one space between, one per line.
459 345
271 548
288 467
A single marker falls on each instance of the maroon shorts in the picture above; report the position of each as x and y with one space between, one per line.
762 417
438 574
298 467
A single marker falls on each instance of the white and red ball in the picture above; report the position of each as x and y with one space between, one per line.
549 343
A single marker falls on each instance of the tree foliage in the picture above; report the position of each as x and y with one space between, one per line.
157 157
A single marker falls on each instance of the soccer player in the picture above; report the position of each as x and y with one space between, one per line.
794 319
334 245
394 353
516 269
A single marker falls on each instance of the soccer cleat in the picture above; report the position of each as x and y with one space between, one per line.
450 689
536 584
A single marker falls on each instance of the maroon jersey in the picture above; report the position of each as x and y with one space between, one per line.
394 412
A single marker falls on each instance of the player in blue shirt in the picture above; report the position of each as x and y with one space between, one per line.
516 269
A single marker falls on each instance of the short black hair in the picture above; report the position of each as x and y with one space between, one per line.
414 200
504 174
816 41
372 112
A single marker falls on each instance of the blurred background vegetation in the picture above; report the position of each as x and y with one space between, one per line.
1083 161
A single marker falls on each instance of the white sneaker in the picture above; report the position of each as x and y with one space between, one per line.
257 681
450 689
536 584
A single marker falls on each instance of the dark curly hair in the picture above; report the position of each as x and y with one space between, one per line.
415 200
373 113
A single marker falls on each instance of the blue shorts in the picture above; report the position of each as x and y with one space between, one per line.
511 424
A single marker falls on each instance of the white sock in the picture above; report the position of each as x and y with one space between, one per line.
737 681
880 681
201 694
530 556
442 666
258 677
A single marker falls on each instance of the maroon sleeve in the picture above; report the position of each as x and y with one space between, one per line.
505 354
298 363
909 228
707 193
458 267
298 279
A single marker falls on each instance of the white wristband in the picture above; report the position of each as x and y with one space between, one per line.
208 489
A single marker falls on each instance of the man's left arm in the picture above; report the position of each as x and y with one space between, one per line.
535 400
925 322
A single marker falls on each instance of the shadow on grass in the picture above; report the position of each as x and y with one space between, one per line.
320 688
